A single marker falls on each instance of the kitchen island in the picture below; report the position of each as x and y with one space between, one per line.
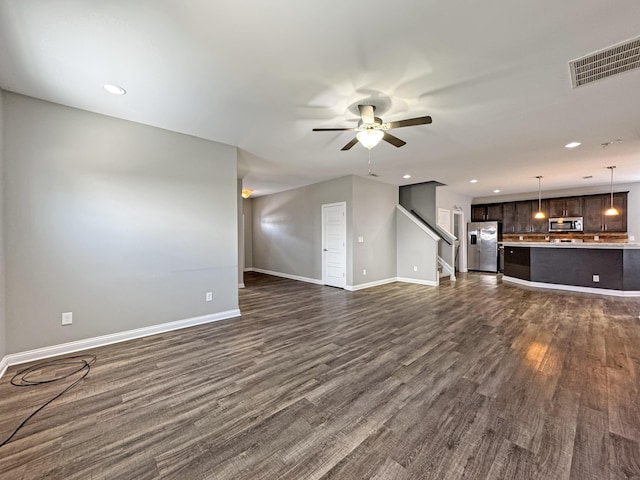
602 268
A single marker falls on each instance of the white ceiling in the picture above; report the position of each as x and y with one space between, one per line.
261 74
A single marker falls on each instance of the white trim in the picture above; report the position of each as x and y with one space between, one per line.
361 286
429 283
289 276
4 363
572 288
422 227
249 269
241 285
64 348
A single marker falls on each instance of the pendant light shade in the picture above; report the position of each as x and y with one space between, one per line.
539 214
611 210
370 137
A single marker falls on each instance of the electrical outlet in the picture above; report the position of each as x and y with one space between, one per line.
364 271
521 237
415 268
209 297
360 239
67 318
631 238
596 237
596 278
546 237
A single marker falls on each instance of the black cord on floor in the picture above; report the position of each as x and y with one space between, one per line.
21 379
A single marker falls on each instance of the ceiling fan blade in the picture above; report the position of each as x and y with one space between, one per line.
331 129
366 112
350 144
410 122
395 141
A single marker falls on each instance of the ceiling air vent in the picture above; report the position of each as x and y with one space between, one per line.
606 63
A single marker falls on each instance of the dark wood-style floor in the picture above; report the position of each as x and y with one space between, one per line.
471 380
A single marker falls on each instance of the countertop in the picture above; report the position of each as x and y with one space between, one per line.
598 245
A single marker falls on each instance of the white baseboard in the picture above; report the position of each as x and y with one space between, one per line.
286 275
241 285
360 286
248 269
65 348
572 288
4 363
429 283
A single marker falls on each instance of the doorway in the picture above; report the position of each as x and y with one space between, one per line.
334 244
460 231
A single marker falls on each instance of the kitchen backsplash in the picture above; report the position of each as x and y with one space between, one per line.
550 237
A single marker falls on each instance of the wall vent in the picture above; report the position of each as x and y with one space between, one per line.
605 63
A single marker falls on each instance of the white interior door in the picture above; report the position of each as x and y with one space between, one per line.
334 244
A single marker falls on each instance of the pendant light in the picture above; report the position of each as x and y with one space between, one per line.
539 214
611 210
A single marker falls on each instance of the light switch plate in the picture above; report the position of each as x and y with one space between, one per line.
67 318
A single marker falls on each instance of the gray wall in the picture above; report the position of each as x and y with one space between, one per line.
3 328
421 198
633 212
287 228
247 208
415 248
124 224
374 210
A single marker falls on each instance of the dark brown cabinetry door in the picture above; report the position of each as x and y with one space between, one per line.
523 217
508 217
478 213
556 207
593 213
616 223
539 225
565 207
494 212
573 207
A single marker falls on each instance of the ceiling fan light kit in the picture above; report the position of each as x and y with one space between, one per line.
370 137
372 129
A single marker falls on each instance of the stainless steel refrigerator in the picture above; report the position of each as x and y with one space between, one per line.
482 246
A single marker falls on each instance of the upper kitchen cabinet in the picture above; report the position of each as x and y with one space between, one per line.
491 212
596 221
524 216
565 207
478 213
509 217
494 212
540 225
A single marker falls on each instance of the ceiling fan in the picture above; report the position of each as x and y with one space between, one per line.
371 129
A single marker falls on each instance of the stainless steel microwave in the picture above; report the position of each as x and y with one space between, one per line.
566 224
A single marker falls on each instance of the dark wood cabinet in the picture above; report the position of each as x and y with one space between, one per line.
596 221
524 216
491 212
494 212
478 213
517 217
539 225
565 207
509 217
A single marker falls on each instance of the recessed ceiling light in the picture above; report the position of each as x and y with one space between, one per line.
115 89
473 180
406 176
496 191
573 145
